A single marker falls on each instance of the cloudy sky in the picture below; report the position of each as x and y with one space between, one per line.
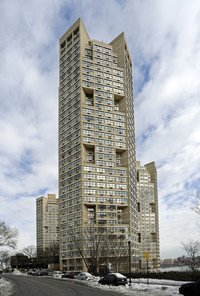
164 40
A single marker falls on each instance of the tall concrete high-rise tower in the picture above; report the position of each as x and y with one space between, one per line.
97 162
47 222
148 224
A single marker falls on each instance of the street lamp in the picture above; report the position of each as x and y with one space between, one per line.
129 256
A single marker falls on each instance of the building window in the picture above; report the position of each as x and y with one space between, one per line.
110 185
89 198
101 185
101 177
101 170
89 169
101 199
89 191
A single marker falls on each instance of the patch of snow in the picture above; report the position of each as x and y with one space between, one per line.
119 275
174 268
140 287
158 282
17 272
6 287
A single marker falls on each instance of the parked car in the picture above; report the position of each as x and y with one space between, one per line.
57 274
113 279
190 289
7 270
37 273
46 272
84 276
50 273
31 272
69 275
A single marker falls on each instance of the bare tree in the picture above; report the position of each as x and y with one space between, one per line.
49 254
29 251
196 204
90 247
192 249
98 248
8 235
53 252
5 258
118 252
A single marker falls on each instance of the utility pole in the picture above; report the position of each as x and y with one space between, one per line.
147 259
129 256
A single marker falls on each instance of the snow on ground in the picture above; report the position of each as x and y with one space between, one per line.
139 287
175 268
6 287
17 272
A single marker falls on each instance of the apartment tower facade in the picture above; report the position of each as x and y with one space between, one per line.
148 220
97 162
47 222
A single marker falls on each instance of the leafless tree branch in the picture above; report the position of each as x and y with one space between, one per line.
8 235
29 251
192 249
196 204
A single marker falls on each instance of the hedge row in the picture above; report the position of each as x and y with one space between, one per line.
170 275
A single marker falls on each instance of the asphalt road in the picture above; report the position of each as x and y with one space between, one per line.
43 286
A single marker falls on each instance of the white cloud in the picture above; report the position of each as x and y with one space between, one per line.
164 41
28 117
167 121
177 223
